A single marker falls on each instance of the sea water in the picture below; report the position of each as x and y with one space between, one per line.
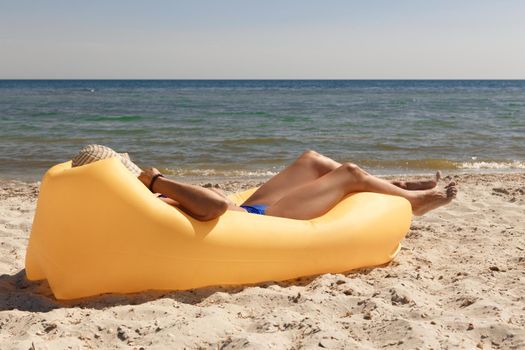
216 129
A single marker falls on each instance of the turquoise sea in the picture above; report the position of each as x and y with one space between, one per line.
214 129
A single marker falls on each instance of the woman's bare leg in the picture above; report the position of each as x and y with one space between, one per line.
317 197
418 185
309 167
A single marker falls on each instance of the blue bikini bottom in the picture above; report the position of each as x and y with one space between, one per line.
255 209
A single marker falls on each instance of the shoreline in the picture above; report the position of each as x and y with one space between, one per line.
457 282
234 184
198 176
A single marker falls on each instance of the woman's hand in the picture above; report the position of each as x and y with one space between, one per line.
199 202
147 174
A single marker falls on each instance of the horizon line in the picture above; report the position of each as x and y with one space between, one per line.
272 79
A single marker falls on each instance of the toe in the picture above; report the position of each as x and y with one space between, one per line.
452 191
451 184
438 176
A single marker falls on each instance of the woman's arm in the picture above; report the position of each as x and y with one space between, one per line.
199 202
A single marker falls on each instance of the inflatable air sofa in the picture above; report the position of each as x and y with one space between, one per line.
98 229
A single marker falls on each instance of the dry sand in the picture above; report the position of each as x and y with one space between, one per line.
458 282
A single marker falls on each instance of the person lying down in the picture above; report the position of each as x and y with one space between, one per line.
307 188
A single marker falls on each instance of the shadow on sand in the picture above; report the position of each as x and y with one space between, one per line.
17 292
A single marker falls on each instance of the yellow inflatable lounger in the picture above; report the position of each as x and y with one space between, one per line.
98 229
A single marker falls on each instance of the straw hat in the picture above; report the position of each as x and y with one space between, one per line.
92 153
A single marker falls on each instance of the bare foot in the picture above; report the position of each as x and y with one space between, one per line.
425 201
418 185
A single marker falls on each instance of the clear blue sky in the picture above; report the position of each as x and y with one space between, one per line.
262 39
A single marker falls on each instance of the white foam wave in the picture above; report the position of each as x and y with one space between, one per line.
219 173
516 164
237 173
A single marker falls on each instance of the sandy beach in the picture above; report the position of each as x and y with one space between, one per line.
458 283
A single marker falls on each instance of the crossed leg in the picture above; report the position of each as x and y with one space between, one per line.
309 167
317 197
313 184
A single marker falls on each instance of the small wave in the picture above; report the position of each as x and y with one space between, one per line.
516 164
121 118
217 173
375 165
443 164
242 114
255 141
44 114
390 147
290 118
409 163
